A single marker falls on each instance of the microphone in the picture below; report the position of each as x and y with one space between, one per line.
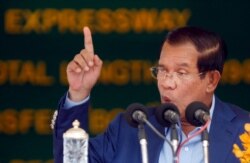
167 114
135 114
197 113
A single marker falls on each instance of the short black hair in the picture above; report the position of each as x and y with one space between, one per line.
212 48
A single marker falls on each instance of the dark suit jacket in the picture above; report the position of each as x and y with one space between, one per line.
119 143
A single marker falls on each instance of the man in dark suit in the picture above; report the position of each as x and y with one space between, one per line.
189 69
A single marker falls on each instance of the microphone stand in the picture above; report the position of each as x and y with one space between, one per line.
174 140
143 142
174 137
205 144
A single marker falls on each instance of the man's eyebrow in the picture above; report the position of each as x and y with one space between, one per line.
183 64
160 65
178 64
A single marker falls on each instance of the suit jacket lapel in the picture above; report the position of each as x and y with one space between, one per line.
222 132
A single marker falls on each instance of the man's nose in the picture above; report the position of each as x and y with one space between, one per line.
169 81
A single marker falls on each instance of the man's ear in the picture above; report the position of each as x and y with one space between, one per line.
213 80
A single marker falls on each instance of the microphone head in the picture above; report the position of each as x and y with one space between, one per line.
130 112
161 117
191 112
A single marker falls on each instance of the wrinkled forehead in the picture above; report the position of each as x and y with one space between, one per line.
180 55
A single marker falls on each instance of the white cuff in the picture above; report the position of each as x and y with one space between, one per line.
69 103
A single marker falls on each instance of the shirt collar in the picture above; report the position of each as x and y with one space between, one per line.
211 111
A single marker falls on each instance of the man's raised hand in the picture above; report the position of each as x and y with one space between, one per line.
83 71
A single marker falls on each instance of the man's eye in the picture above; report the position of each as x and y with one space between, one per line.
181 73
161 70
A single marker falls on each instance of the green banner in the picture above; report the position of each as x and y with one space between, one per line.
38 38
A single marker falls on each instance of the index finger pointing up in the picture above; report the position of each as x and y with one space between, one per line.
88 43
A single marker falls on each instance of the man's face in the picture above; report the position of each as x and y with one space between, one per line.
182 84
